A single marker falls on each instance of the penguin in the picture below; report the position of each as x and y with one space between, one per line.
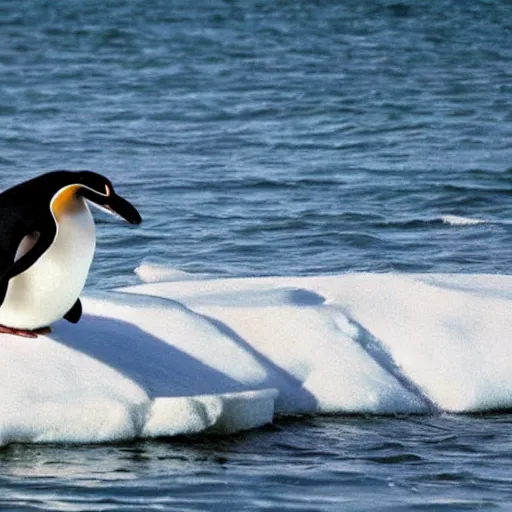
47 242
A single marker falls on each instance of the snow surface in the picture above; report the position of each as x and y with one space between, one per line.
222 355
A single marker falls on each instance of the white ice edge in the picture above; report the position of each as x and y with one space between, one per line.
224 413
223 355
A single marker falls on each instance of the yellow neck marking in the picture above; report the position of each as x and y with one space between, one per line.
66 201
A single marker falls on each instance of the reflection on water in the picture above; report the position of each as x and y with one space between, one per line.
356 463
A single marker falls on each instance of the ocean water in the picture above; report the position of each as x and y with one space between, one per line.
273 138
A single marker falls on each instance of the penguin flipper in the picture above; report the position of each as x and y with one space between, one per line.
3 289
47 235
74 314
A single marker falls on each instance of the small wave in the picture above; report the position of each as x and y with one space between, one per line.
456 220
255 183
420 223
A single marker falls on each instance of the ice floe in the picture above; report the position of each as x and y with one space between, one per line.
221 355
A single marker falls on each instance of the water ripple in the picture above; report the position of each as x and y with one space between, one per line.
263 138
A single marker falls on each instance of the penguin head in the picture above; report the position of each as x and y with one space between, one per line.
99 190
60 188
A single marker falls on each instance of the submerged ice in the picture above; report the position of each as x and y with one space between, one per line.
186 356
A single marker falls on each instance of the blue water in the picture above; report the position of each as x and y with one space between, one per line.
273 138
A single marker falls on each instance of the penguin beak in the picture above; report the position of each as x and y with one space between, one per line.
120 206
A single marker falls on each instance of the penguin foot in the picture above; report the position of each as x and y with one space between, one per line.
25 333
43 330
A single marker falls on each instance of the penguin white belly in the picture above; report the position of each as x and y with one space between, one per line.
47 290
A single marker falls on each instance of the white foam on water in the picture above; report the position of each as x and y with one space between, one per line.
456 220
223 355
